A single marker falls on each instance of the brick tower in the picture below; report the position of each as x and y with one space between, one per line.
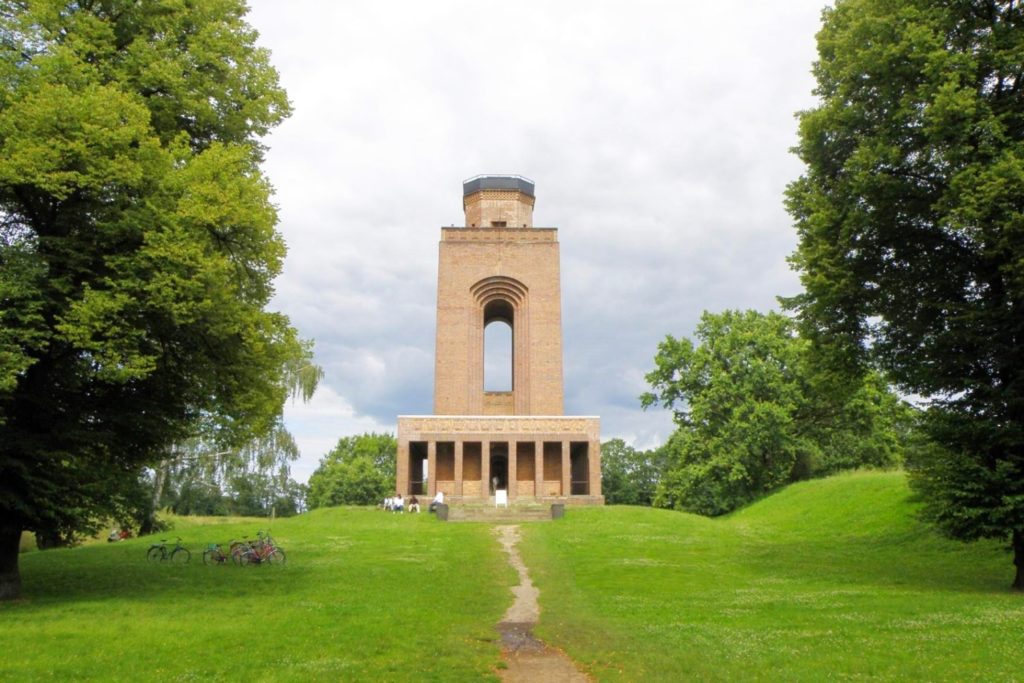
493 445
492 270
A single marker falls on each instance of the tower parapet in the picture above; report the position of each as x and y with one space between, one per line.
498 201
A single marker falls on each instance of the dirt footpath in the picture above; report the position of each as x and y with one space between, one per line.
529 659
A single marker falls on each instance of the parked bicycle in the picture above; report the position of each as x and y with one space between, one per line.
214 555
179 554
261 551
237 549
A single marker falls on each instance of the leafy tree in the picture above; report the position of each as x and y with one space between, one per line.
262 495
196 497
137 251
206 461
252 480
629 476
909 215
301 375
359 470
753 415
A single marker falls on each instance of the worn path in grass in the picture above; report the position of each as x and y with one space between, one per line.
529 659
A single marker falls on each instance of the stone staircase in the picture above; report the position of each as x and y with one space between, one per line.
489 514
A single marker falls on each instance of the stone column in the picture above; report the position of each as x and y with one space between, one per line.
538 469
431 468
485 469
458 468
402 468
512 459
566 470
594 467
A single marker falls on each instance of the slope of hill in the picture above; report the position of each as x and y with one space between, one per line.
832 578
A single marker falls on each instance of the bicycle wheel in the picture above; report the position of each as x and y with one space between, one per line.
212 557
238 554
276 557
155 553
181 556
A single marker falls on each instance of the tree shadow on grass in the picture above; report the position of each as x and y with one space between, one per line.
123 573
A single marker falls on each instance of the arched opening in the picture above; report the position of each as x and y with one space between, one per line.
499 332
499 467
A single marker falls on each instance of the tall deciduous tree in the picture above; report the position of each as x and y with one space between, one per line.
359 470
910 216
753 415
137 250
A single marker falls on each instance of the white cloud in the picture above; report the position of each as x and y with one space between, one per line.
657 134
319 424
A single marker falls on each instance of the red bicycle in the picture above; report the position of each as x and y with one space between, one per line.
261 551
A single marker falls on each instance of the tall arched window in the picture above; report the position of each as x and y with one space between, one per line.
498 356
499 326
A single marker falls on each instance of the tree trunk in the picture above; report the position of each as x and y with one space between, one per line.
1018 559
148 525
10 577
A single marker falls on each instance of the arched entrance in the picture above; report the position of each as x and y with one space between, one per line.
499 467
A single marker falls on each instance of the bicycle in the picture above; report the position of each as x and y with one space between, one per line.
262 555
261 551
270 552
179 554
237 549
214 555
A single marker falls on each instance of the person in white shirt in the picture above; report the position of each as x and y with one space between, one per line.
438 500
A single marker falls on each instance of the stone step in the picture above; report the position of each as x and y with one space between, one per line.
501 515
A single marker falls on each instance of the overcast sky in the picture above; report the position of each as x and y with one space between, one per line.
657 134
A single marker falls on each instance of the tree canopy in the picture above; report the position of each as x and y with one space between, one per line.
629 476
254 480
753 415
359 470
910 214
137 250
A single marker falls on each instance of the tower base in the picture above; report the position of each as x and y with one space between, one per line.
494 459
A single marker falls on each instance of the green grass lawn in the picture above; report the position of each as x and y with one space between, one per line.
365 596
830 579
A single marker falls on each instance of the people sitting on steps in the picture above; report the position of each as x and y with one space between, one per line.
438 500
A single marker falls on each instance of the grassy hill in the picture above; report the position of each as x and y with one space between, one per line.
365 596
826 579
